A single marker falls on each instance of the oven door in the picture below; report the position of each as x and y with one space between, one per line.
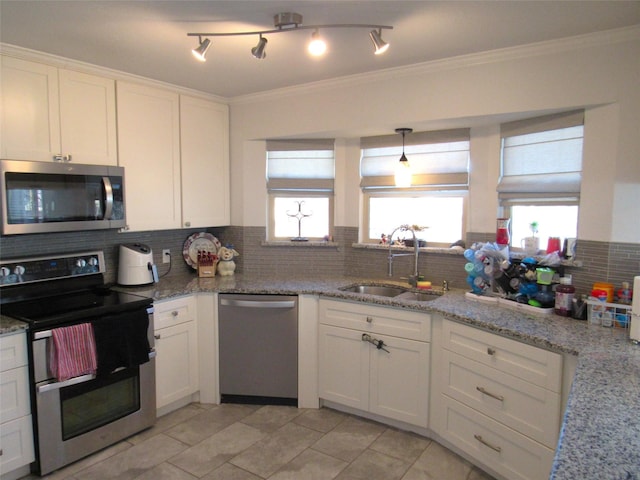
85 414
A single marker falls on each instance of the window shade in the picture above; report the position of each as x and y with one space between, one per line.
300 165
438 160
542 160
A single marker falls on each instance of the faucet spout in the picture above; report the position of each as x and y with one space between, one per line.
413 279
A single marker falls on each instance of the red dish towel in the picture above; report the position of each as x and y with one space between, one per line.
73 352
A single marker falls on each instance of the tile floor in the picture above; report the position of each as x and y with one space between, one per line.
247 442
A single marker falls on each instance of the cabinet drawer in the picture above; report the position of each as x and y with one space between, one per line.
14 394
13 351
532 364
375 319
16 442
173 312
529 409
496 446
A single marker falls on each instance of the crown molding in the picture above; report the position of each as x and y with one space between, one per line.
69 64
549 47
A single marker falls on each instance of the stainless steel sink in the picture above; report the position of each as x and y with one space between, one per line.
381 290
418 296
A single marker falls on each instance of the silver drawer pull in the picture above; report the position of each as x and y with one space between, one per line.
174 313
491 351
156 336
492 395
484 442
369 319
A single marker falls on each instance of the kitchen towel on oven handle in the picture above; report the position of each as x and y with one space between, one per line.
74 351
121 341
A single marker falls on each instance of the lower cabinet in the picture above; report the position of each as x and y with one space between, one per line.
16 429
374 372
176 343
498 400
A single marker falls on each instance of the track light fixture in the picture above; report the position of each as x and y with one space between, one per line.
403 169
378 42
317 46
201 50
258 50
289 22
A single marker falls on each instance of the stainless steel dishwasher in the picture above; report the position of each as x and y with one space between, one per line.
258 348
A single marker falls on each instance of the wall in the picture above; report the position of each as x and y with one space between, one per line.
598 72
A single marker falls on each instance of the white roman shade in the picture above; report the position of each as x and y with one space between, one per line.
300 165
542 160
439 160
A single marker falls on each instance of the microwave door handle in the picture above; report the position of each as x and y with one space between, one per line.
108 201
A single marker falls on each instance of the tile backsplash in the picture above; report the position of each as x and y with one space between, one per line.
601 261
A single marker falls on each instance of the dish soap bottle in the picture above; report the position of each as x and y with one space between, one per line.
564 297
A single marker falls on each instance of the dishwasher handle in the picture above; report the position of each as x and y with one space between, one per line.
257 303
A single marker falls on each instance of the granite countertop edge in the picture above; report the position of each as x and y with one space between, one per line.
600 435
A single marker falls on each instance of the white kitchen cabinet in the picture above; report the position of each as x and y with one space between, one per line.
149 150
204 142
498 400
176 344
48 112
16 430
392 381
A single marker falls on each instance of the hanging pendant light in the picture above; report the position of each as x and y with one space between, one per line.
403 169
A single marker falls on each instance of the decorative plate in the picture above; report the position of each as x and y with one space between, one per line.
199 242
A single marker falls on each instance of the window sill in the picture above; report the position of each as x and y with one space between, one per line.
377 246
289 243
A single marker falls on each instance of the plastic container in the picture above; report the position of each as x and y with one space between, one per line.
607 287
564 297
625 294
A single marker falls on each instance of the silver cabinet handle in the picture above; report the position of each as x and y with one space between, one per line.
491 351
484 442
174 313
492 395
369 319
156 336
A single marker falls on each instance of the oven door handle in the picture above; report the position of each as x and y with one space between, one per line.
72 381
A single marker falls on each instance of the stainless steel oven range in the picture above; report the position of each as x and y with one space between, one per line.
91 355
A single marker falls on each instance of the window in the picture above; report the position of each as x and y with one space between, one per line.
541 172
300 175
437 197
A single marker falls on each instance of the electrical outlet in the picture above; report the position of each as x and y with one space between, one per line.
166 255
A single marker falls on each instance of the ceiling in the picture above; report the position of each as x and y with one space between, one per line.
149 38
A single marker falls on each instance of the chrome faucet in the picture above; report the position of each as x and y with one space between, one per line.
413 279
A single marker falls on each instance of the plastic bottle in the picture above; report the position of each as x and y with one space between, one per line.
564 297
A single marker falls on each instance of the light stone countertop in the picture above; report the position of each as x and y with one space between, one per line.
600 436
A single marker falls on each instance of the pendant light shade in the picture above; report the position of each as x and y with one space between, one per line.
403 169
258 50
201 50
378 42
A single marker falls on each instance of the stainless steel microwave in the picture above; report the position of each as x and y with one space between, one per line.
42 197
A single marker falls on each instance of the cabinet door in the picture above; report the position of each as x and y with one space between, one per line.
176 363
344 367
88 118
16 443
204 140
400 380
149 150
30 127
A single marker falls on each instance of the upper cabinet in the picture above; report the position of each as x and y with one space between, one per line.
149 151
204 140
50 113
175 150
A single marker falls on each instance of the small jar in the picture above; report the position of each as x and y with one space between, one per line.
564 297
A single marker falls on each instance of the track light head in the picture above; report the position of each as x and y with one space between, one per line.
380 45
317 46
200 51
258 50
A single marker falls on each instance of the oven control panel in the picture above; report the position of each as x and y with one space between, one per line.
27 270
